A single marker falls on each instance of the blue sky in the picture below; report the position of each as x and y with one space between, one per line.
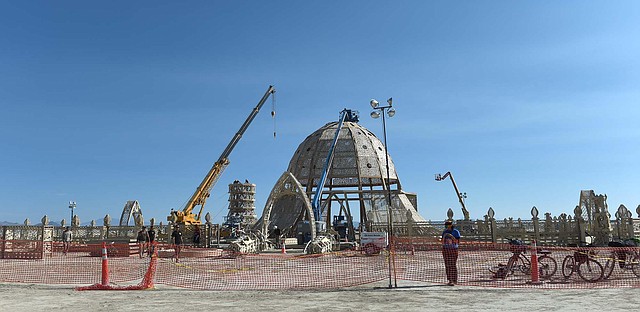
525 102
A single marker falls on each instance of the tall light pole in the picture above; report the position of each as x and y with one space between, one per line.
377 111
72 206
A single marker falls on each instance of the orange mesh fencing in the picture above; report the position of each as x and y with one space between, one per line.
105 284
412 259
504 265
81 265
253 271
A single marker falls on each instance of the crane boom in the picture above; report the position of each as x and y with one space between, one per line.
203 191
440 177
246 124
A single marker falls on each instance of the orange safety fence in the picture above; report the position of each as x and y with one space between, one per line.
46 263
505 265
413 259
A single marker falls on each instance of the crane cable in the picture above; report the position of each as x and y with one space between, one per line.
273 113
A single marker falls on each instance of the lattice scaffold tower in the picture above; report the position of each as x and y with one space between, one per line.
242 204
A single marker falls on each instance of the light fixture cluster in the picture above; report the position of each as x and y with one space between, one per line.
377 108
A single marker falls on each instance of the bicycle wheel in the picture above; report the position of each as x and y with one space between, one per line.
635 265
590 270
524 264
514 264
547 266
493 268
609 265
568 265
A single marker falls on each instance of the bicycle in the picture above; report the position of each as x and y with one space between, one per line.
547 265
626 258
583 263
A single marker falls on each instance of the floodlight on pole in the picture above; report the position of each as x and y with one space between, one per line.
390 111
374 103
72 206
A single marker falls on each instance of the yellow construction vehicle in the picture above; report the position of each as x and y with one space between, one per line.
199 197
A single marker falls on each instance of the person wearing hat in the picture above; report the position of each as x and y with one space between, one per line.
450 241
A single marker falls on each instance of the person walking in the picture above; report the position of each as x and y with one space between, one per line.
142 239
152 240
450 243
176 236
67 236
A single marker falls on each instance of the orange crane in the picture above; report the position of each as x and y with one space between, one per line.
461 196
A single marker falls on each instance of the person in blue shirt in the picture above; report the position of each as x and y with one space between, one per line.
450 241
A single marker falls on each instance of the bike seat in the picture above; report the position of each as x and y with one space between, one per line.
544 252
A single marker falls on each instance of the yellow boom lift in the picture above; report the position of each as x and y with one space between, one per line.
199 197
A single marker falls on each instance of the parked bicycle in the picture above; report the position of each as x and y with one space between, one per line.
626 255
518 262
583 262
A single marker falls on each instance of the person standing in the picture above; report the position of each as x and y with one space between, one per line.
450 243
176 236
196 235
277 233
67 236
152 240
142 239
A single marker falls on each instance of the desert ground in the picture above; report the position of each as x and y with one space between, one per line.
409 296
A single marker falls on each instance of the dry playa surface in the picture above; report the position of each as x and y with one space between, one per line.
409 296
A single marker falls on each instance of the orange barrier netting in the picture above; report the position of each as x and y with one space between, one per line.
503 265
105 284
35 262
413 259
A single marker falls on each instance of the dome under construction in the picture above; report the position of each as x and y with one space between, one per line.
356 184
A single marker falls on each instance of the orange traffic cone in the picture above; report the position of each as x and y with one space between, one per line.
535 275
284 248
